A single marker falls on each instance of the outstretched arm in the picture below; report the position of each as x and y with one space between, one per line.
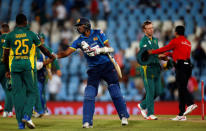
65 53
163 49
46 52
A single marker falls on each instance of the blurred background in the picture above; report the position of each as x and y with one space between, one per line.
121 21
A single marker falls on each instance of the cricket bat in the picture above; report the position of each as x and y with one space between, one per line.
116 66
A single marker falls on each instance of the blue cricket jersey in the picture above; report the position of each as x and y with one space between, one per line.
96 37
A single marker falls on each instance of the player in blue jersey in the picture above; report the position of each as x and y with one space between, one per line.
95 46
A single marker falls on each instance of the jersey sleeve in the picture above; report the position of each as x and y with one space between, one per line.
103 37
168 47
75 45
142 44
7 42
36 39
56 64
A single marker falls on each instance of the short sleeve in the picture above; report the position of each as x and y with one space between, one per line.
75 44
103 36
142 44
7 42
36 39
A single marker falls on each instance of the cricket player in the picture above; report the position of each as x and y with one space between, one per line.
4 81
150 74
95 46
38 110
44 72
18 45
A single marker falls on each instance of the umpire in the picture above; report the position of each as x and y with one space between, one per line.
181 48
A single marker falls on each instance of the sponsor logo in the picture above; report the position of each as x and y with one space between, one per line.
78 20
95 38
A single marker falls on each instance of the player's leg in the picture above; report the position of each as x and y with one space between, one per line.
28 78
183 72
180 82
31 95
19 95
109 74
89 96
189 98
188 95
3 83
38 105
42 92
143 104
158 86
8 99
150 91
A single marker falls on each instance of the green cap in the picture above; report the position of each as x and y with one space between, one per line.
143 58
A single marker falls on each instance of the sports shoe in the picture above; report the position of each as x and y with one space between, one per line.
143 111
46 113
190 109
1 108
124 121
151 117
28 122
21 125
5 114
38 114
179 118
10 114
86 125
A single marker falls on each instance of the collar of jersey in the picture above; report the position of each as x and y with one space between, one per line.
149 38
91 32
25 27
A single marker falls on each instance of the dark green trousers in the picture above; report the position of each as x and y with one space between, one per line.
24 93
4 82
153 87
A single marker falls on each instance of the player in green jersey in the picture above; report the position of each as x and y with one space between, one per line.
17 52
150 74
43 73
4 81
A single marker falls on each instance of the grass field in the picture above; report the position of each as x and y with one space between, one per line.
108 123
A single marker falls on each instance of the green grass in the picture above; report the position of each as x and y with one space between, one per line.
108 123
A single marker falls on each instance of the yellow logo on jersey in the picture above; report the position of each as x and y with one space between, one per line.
78 20
95 38
2 41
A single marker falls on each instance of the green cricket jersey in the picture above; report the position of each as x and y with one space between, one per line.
22 44
151 44
2 38
154 68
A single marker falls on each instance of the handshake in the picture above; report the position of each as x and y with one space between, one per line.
96 50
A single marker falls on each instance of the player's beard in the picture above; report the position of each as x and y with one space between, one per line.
150 34
83 32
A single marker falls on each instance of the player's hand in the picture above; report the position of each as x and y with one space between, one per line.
163 57
47 61
8 75
54 56
96 50
85 46
149 52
